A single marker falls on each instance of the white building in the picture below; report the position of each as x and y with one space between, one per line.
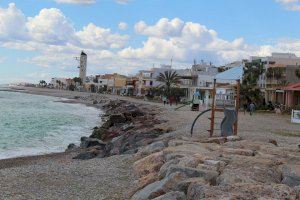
59 83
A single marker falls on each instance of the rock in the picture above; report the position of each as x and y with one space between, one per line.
117 118
184 185
209 176
233 138
250 170
241 191
127 127
207 167
152 148
95 102
220 165
116 145
190 161
242 152
85 155
99 133
174 143
106 125
90 142
290 176
132 111
273 142
149 164
72 147
144 181
217 140
196 191
164 168
172 196
297 190
159 188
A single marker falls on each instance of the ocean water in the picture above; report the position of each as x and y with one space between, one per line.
34 124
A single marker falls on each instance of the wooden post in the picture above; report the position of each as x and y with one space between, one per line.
213 107
237 105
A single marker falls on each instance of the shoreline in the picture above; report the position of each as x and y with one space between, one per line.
256 163
23 159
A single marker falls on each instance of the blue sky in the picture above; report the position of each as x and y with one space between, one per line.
40 38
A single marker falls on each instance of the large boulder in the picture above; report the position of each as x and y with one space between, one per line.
199 191
149 164
174 195
152 148
164 168
158 188
87 142
290 176
117 119
132 111
184 185
196 191
209 176
99 133
72 147
242 152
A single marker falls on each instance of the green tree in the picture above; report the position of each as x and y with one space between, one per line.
275 73
249 87
42 83
169 79
77 80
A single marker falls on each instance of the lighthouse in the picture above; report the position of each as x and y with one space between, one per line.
82 67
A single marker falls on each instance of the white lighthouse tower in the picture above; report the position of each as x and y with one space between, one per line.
82 67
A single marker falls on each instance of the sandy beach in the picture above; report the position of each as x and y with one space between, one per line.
58 176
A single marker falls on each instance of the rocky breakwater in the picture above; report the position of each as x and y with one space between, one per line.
216 168
126 129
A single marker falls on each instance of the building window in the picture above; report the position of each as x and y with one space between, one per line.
151 83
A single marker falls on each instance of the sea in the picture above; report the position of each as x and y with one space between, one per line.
36 125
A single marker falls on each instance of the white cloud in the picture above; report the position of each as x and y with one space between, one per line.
97 37
50 26
76 1
183 41
12 23
164 27
122 26
293 5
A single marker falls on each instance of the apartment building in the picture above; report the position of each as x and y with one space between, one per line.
280 70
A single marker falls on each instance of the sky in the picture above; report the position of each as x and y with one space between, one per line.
40 39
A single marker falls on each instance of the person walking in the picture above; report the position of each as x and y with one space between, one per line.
245 105
164 98
252 107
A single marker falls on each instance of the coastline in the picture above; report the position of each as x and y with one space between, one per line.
248 166
23 159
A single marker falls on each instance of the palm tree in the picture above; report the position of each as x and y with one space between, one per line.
43 83
169 80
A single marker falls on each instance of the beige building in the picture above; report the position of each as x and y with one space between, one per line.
280 70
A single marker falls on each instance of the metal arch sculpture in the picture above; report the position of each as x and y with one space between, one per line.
192 128
227 124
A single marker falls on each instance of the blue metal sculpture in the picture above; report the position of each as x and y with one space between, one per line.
228 121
